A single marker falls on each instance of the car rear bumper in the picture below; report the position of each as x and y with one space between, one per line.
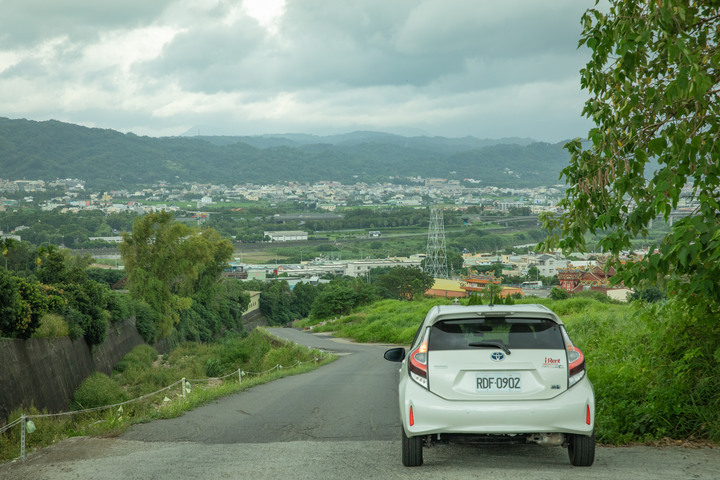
566 413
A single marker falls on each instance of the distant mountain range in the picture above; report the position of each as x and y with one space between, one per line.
110 159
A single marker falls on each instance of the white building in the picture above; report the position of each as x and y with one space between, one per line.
289 236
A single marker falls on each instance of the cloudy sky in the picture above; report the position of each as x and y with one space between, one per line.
487 68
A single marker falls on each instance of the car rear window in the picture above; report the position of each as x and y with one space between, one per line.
530 333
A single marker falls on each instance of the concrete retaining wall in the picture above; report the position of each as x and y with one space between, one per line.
44 372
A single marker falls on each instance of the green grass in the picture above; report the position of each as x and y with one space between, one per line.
142 372
387 321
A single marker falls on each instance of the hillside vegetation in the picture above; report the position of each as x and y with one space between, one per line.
110 159
654 374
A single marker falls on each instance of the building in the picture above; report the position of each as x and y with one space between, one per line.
288 236
576 279
446 288
478 283
236 271
359 268
254 304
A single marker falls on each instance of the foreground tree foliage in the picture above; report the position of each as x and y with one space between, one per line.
654 81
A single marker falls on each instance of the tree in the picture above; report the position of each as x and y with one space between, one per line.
533 273
301 299
275 303
168 262
406 283
6 244
455 260
335 298
51 265
654 84
22 305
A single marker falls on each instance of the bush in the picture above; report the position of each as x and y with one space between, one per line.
98 390
558 293
145 321
52 326
118 305
95 328
74 320
213 368
139 358
649 295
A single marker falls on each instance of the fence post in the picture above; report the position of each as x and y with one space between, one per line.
182 383
22 437
239 375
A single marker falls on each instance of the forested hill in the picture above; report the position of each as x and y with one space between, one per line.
107 158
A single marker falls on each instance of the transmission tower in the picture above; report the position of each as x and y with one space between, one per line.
435 254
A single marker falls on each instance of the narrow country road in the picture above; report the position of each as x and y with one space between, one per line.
354 398
339 421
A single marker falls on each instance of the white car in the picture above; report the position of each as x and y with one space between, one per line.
489 373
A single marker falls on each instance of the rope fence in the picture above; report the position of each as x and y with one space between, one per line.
28 427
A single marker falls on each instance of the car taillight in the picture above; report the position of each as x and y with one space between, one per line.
417 363
576 361
576 365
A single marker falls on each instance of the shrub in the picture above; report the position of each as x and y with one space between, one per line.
145 321
118 305
74 321
52 326
213 368
98 390
95 328
139 358
558 293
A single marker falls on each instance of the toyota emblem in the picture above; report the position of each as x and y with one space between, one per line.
498 356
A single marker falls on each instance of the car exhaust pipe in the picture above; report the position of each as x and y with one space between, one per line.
550 439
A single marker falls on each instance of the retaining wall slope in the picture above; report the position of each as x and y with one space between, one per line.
44 372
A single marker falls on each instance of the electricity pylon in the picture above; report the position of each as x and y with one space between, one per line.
435 254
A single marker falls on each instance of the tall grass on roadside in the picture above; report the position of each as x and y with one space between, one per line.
386 321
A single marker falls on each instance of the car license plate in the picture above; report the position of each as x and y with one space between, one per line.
498 382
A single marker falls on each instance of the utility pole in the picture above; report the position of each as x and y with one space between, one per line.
435 254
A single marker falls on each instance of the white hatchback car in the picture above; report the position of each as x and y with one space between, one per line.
490 373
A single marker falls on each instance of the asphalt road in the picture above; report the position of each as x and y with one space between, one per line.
353 398
339 421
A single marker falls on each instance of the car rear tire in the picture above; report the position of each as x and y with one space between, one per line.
412 454
581 449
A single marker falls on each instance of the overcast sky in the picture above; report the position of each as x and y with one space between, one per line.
487 68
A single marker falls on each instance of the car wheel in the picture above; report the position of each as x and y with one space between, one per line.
412 455
581 449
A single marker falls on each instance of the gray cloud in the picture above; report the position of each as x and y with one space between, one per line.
27 22
447 67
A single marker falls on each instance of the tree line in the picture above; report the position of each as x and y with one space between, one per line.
176 288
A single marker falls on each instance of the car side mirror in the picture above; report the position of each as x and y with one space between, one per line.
395 354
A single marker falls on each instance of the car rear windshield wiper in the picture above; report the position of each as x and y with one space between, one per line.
490 343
